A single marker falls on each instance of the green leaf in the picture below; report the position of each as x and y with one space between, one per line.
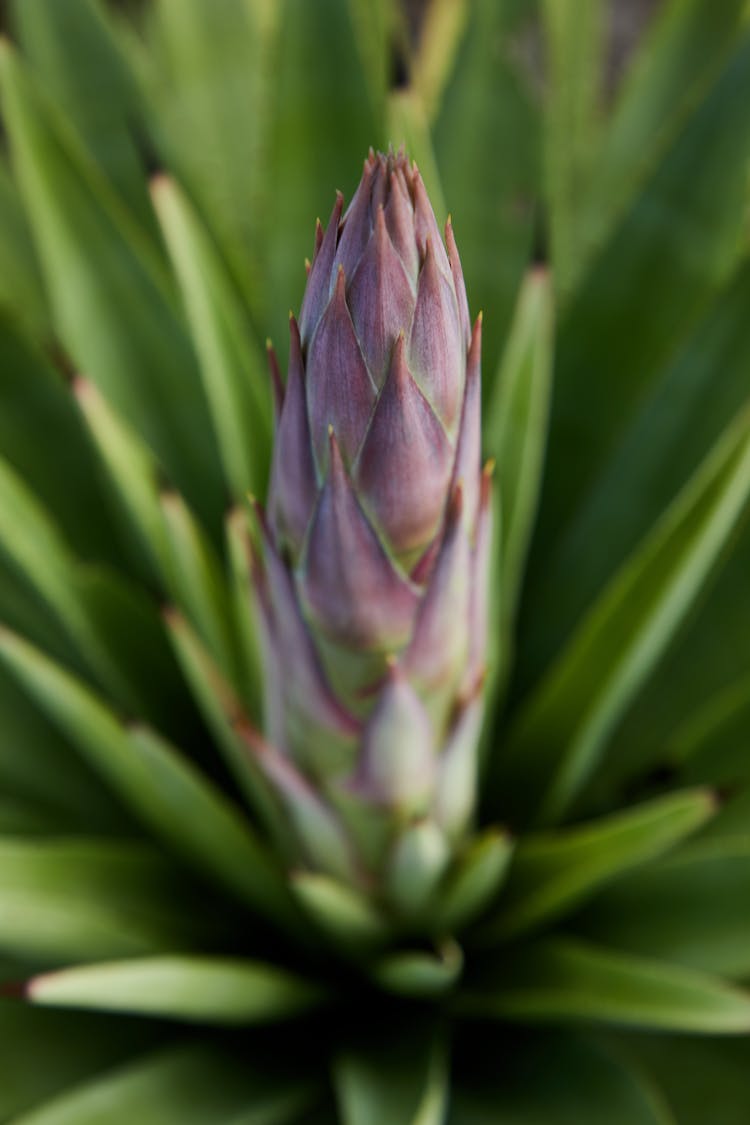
339 911
562 980
113 631
62 469
239 553
67 900
218 990
235 379
39 767
72 49
198 580
515 431
487 113
667 258
574 38
209 82
675 64
553 872
692 908
681 414
404 1082
711 742
551 1078
134 472
323 126
443 26
46 1051
162 788
223 711
563 729
474 881
185 1085
98 265
420 973
703 1080
21 288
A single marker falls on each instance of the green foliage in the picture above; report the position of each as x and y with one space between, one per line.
584 955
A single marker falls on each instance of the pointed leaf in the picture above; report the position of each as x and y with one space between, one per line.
692 908
516 430
233 370
562 732
564 980
553 873
45 1052
194 989
161 787
420 973
96 261
67 900
403 1083
475 880
584 1083
185 1085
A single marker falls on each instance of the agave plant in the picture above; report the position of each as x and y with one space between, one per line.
343 780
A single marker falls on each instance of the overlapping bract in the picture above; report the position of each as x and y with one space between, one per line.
373 587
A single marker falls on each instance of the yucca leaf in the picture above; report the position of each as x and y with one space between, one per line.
711 742
574 34
208 80
75 54
692 908
420 973
690 401
516 434
675 63
553 873
198 581
88 898
73 1046
675 247
443 27
308 99
189 1084
493 198
234 372
134 472
554 1079
474 881
406 1083
703 1080
339 911
39 767
21 289
562 980
62 469
93 607
160 786
239 549
223 713
373 28
95 261
196 989
562 731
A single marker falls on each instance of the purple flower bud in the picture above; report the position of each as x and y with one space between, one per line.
375 588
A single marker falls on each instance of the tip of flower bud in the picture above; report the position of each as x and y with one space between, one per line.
330 430
489 467
308 266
